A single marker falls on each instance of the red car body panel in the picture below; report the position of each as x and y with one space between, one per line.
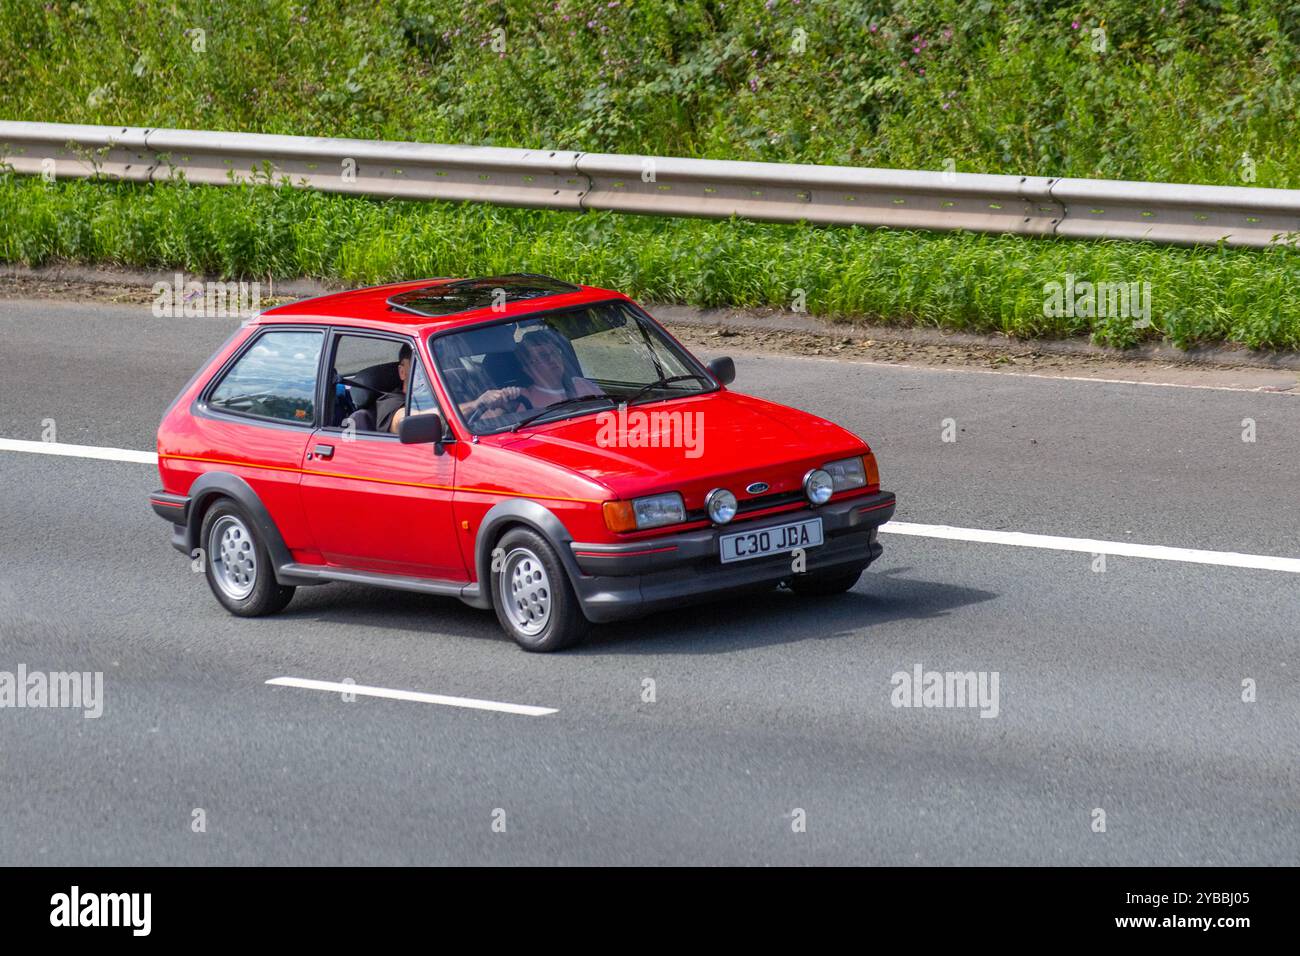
740 434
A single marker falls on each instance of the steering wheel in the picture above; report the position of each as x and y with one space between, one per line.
473 418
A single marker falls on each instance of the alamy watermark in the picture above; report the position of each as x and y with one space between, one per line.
205 300
129 910
83 690
637 428
1081 298
922 688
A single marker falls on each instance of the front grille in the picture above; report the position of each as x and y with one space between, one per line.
750 505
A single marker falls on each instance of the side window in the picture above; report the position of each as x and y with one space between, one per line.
275 378
373 377
422 397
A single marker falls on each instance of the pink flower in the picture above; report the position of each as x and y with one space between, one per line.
1074 25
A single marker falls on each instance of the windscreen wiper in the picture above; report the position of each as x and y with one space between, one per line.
665 382
529 419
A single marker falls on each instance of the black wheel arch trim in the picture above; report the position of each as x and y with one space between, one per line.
536 517
215 484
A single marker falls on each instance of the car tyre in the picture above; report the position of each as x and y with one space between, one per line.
237 564
532 595
823 583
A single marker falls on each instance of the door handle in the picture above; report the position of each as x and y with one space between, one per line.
323 451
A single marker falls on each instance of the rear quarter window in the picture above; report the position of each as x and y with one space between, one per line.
275 378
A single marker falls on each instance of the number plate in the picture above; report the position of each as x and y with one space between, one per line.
744 545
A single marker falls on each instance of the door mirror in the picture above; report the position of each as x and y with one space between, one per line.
723 369
421 429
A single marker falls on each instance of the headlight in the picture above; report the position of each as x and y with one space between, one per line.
721 505
818 486
653 511
847 473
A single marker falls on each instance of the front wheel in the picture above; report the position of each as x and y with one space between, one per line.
822 583
237 564
532 595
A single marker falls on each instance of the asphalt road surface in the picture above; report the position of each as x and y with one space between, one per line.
772 738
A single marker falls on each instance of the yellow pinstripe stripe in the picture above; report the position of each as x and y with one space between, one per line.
382 481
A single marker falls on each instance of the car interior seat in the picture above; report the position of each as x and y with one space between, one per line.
366 386
504 369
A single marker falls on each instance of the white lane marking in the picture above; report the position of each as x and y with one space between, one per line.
1019 539
413 695
1292 390
79 451
1257 389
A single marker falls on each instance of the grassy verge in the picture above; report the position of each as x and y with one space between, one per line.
966 282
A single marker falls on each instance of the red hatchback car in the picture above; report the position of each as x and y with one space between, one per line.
542 449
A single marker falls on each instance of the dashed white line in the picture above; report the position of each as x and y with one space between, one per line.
1292 390
362 690
79 451
1018 539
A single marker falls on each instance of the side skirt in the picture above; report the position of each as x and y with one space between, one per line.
310 574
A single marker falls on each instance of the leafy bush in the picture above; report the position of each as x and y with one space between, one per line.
975 283
1182 92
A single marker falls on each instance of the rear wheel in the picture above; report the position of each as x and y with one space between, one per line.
531 593
821 583
237 564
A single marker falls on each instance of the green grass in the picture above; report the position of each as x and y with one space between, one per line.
967 282
1184 91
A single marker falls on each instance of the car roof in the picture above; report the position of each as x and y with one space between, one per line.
439 304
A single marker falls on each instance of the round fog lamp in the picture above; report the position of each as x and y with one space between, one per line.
818 486
721 505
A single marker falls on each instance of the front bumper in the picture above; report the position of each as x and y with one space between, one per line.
626 580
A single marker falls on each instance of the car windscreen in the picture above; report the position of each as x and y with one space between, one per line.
559 364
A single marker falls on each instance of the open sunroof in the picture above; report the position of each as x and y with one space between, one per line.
464 295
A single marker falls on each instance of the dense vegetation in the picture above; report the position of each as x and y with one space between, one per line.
977 283
1191 91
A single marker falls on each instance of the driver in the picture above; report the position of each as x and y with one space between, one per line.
542 358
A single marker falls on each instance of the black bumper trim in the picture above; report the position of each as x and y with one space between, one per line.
173 508
701 546
626 580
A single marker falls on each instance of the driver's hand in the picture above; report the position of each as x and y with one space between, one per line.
504 396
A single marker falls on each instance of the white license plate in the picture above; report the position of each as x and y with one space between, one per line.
744 545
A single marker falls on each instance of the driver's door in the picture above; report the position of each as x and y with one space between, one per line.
374 504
